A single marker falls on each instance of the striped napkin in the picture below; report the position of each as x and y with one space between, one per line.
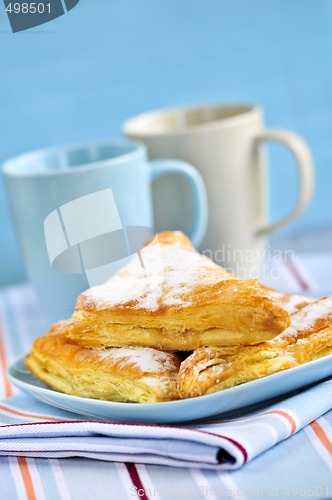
30 428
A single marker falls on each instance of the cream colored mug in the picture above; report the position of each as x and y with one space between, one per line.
224 142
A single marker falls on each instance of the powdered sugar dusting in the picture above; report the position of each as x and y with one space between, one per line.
306 317
162 382
294 301
146 359
159 275
290 302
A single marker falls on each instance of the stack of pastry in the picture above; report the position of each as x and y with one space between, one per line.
172 324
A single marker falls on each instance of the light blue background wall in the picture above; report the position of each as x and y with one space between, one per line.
79 77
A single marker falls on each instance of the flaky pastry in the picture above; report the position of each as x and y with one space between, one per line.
130 374
211 369
170 297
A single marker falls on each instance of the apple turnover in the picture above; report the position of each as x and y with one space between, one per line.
172 298
211 369
129 374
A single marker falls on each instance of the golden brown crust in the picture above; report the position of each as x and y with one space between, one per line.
211 369
178 300
116 374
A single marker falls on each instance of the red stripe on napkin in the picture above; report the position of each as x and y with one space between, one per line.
136 480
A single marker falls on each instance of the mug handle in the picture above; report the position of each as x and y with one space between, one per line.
304 165
159 168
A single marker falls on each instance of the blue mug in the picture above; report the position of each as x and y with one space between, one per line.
81 211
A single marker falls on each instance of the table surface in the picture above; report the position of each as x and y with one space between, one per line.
281 473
